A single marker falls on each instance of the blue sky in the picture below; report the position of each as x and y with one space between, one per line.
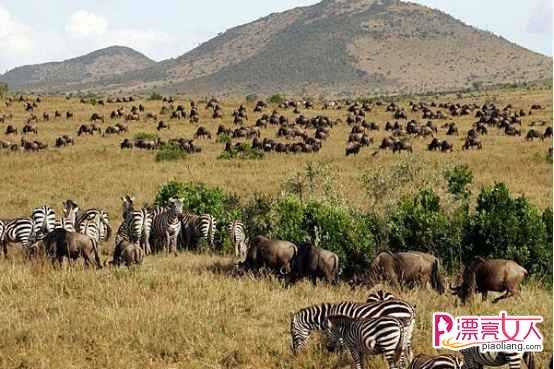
36 31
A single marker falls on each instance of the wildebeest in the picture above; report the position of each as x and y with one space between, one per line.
404 268
484 275
276 255
127 253
61 243
353 148
315 262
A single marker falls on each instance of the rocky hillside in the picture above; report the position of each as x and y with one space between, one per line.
70 73
341 47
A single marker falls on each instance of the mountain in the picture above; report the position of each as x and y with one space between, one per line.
339 47
89 68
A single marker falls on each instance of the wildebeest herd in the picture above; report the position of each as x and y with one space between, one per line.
301 134
382 325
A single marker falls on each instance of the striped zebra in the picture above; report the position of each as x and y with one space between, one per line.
44 222
379 296
94 223
196 228
136 225
19 230
370 336
445 361
237 235
67 222
314 317
474 359
166 225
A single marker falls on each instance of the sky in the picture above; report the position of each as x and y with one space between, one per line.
37 31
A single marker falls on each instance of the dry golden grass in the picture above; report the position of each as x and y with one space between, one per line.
176 313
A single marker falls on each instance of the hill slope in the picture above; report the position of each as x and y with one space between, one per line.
88 68
340 47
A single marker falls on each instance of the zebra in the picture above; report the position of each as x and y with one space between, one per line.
314 317
94 223
445 361
67 222
237 235
166 225
384 335
196 227
17 230
136 225
474 359
379 296
44 222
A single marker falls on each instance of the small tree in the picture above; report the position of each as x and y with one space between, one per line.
3 89
459 179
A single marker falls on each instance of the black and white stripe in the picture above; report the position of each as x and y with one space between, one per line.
44 221
379 296
67 222
94 223
135 227
237 235
445 361
369 336
18 230
166 225
196 228
474 359
314 317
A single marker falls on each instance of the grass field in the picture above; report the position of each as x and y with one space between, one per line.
179 313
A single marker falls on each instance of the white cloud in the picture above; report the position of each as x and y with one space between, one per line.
85 24
16 40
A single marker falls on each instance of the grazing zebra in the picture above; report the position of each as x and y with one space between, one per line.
474 359
384 335
379 296
197 227
136 225
166 225
17 230
44 222
237 235
445 361
314 318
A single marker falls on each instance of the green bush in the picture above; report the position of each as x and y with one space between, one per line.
170 153
155 96
420 224
276 99
252 98
510 228
3 89
245 152
223 138
257 215
459 178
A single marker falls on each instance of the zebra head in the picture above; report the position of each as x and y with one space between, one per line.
176 205
336 327
126 205
69 206
299 332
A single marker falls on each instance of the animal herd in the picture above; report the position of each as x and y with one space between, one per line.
301 134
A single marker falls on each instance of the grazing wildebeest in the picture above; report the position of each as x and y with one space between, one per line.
353 148
315 262
276 255
127 253
61 243
405 268
484 275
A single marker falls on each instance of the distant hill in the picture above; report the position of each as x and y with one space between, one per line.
340 47
88 68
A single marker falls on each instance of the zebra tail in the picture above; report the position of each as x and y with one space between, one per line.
529 359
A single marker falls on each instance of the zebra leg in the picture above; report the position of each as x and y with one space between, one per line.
358 358
389 357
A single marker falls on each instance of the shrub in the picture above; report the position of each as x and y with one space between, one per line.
459 178
419 223
146 136
170 152
244 152
256 215
276 99
252 98
3 89
511 228
223 138
155 96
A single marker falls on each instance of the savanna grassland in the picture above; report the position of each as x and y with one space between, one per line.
186 311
